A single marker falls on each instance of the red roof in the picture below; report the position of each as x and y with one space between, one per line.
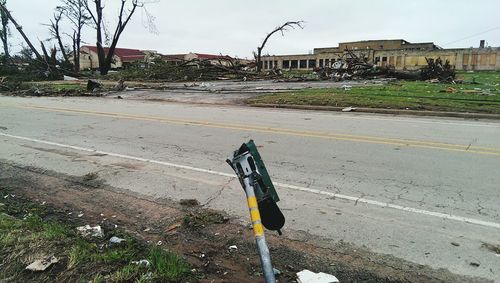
125 54
213 57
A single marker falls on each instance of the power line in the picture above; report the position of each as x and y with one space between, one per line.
470 36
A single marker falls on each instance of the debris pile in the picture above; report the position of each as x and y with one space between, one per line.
193 70
352 67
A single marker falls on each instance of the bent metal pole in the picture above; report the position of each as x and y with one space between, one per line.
258 231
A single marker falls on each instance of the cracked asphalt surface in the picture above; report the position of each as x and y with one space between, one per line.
381 182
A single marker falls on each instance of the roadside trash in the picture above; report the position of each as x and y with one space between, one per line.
120 85
80 215
87 230
173 227
475 264
159 243
92 85
42 264
455 244
68 78
276 271
143 262
116 241
307 276
451 90
233 248
349 109
347 87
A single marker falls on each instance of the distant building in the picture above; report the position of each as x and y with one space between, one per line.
399 53
223 60
122 57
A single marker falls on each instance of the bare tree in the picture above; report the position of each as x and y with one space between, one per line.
56 33
76 12
105 59
284 27
4 31
20 29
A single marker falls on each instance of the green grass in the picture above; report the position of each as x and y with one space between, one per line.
167 265
482 97
92 259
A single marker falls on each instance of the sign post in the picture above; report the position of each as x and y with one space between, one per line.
261 200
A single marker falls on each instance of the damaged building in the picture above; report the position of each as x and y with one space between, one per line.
401 54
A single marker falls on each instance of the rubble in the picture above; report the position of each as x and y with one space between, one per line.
349 109
352 67
116 241
306 276
142 262
87 230
42 264
93 85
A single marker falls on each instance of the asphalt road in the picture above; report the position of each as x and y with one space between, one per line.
421 189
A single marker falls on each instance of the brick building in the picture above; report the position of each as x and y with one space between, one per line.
399 53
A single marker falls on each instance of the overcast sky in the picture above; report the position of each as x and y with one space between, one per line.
235 27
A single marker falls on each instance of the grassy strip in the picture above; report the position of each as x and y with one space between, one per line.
483 96
27 233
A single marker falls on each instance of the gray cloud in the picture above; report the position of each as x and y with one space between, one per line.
235 27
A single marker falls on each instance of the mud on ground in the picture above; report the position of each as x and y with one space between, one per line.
201 236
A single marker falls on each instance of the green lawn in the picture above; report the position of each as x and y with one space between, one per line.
483 96
28 231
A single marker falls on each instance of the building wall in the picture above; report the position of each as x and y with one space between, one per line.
462 59
90 60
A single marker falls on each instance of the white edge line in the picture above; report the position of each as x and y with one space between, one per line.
282 185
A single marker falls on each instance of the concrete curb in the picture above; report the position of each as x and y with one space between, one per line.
384 111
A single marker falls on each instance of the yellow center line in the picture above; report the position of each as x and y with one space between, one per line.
283 131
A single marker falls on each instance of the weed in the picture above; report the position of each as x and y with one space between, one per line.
80 252
166 265
126 273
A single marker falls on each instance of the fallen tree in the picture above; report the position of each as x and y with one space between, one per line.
350 66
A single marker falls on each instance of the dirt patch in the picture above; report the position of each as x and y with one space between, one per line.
203 237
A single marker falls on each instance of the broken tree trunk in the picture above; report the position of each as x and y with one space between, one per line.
20 29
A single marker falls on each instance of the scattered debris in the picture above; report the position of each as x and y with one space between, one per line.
142 262
233 248
116 241
350 66
276 271
172 227
455 244
42 264
493 248
349 109
451 90
306 276
475 264
93 85
120 85
90 176
87 230
68 78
